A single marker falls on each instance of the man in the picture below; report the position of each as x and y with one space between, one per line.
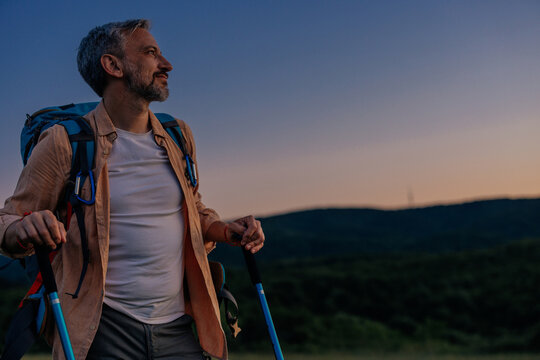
148 231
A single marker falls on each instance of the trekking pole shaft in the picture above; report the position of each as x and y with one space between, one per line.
61 325
256 280
269 322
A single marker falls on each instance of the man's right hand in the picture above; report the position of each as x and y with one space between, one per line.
40 228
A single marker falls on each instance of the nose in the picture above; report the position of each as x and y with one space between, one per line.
164 64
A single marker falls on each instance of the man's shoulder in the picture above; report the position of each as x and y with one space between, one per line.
53 148
186 131
184 127
181 123
55 136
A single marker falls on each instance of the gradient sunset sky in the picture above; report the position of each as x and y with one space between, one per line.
299 104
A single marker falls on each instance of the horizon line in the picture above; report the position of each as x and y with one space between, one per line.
399 208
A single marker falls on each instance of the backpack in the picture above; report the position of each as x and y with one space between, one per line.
81 138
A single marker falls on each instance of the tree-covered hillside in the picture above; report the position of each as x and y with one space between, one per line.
473 225
481 300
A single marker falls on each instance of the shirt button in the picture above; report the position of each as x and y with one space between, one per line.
92 327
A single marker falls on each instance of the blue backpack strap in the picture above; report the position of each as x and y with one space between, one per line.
80 134
82 142
41 310
170 125
81 138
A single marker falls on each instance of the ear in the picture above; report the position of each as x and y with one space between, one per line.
112 65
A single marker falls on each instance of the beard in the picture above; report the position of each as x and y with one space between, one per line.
149 92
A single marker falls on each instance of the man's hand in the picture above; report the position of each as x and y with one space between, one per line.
40 228
251 232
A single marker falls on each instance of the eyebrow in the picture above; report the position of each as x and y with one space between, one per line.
151 47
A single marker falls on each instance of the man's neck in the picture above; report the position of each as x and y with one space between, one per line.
128 111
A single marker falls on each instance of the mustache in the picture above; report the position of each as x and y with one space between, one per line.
161 73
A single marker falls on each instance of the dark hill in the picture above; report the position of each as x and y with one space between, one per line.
434 229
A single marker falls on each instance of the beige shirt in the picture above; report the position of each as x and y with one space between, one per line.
40 187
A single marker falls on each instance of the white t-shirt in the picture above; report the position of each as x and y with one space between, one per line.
145 269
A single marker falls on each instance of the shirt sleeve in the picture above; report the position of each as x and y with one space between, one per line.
41 182
207 215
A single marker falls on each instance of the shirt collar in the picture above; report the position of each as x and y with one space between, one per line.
105 126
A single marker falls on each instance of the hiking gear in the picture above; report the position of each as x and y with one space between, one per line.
225 296
52 294
170 124
256 281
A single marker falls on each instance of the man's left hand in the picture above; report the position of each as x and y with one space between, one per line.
251 231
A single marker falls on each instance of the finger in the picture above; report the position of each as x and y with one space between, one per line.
28 233
52 227
258 235
63 231
254 243
254 246
257 238
22 236
257 248
43 230
251 231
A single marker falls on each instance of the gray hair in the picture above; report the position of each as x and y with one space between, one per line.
106 39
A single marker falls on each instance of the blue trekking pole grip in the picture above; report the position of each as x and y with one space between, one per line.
52 293
256 281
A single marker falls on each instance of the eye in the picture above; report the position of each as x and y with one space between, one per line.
151 52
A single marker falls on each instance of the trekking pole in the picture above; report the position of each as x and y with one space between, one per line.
256 281
52 293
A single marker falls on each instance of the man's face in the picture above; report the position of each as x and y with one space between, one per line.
145 68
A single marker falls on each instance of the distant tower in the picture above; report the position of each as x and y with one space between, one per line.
410 198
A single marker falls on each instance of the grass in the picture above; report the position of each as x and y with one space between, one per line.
341 356
345 356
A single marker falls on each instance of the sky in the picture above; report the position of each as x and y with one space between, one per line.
302 104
